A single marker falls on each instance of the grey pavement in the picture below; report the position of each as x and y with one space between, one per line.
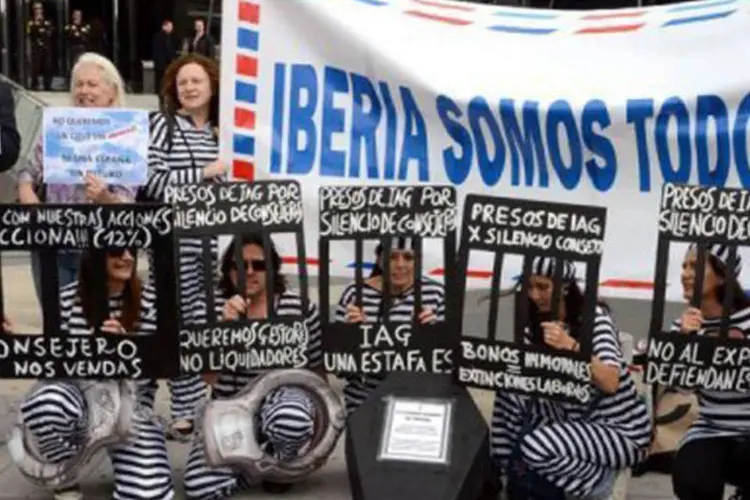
331 482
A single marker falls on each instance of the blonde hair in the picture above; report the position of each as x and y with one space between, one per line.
110 75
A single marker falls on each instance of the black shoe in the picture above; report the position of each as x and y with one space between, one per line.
275 488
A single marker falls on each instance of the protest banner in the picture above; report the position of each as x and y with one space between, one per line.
359 108
505 226
109 142
712 361
207 211
100 229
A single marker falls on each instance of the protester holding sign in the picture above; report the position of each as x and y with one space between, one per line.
716 449
578 447
183 150
403 298
96 83
287 418
58 414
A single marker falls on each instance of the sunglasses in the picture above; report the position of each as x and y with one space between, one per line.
256 265
120 252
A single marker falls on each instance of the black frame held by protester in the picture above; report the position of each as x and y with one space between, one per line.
563 232
207 211
683 359
402 212
51 228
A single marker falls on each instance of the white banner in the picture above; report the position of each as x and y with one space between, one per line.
595 108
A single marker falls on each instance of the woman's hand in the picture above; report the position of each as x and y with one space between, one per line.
96 188
7 326
114 326
234 308
556 336
354 314
210 378
691 320
427 316
215 169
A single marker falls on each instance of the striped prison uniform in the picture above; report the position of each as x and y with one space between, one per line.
182 162
56 414
723 417
575 451
287 415
359 387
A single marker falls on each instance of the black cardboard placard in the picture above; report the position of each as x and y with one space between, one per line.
52 228
207 211
357 213
704 215
506 226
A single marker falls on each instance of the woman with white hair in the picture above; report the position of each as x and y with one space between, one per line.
95 83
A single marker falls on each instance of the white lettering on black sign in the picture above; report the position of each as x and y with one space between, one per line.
372 211
713 366
51 226
69 357
518 224
695 212
232 207
381 349
244 347
504 366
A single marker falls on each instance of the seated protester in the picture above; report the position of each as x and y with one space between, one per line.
716 449
56 413
576 451
287 417
403 298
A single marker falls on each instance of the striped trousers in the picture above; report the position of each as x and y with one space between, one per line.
57 415
286 422
575 455
186 393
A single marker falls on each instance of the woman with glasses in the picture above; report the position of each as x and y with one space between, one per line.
287 416
403 275
715 451
56 414
577 447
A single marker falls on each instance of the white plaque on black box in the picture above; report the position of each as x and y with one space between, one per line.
416 430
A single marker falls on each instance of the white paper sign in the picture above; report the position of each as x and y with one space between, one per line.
416 430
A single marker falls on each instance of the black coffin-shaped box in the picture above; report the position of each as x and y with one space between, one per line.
391 456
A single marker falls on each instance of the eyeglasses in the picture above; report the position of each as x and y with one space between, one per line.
257 265
120 252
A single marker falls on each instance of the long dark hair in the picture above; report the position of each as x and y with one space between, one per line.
740 300
226 287
131 298
574 303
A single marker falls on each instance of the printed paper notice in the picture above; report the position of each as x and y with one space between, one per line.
416 431
109 142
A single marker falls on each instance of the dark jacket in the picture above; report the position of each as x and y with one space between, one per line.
165 51
10 140
205 46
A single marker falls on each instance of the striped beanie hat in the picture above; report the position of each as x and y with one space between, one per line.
721 252
398 243
545 266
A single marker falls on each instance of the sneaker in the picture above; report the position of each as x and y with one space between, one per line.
72 493
180 430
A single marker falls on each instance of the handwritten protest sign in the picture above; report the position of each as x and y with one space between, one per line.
111 143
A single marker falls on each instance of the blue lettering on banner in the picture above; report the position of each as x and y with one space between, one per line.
334 123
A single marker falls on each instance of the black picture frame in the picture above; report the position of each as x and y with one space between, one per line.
267 207
417 212
689 361
53 228
510 226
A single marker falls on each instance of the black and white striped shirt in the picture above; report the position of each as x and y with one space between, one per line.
721 413
402 311
182 162
624 410
287 304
